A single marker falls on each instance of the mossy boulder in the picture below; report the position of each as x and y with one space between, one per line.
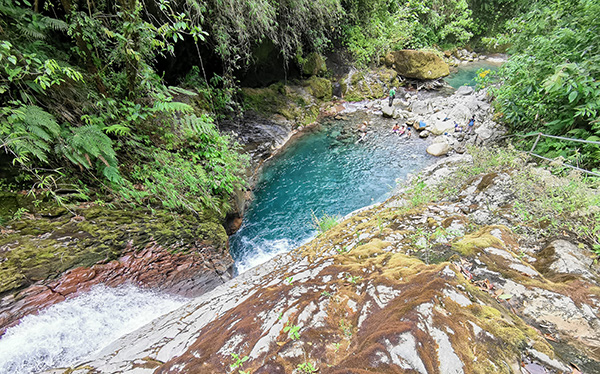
314 65
417 64
359 85
319 87
37 248
294 103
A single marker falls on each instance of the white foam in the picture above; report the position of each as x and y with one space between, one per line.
66 332
263 252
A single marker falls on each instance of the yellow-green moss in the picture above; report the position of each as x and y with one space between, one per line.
319 88
473 243
314 64
46 247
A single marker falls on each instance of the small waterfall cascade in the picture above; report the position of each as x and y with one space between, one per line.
67 332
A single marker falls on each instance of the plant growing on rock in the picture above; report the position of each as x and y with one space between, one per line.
307 367
239 361
324 223
353 278
292 330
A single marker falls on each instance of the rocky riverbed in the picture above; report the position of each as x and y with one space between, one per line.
455 285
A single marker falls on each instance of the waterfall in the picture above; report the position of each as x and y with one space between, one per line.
65 333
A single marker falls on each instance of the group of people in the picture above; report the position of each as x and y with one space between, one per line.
459 128
401 130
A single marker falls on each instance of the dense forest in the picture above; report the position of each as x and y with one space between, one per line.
118 100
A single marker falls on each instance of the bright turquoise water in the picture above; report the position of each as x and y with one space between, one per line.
322 175
466 73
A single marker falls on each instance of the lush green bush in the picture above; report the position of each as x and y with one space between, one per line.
552 81
324 223
387 25
110 124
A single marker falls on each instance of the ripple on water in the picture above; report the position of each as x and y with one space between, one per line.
67 332
324 175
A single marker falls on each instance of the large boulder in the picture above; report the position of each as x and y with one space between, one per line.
420 107
387 110
438 149
440 127
417 64
460 113
319 88
464 90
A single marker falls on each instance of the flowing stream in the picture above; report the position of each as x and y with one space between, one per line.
65 333
323 173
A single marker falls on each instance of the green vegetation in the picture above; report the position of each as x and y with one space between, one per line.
84 107
107 123
307 367
540 200
324 223
292 330
238 362
551 83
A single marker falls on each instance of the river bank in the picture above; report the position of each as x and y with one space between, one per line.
465 280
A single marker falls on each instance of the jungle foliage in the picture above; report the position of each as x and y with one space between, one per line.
102 117
551 83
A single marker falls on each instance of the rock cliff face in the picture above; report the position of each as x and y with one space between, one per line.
399 287
46 259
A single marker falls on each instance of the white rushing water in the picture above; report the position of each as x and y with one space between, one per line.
66 332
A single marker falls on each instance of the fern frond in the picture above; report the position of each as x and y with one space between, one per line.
35 118
112 174
179 90
54 24
172 107
117 129
91 140
30 31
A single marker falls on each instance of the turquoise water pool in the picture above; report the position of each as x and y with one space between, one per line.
325 174
465 74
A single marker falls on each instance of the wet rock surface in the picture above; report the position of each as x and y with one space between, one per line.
259 137
395 287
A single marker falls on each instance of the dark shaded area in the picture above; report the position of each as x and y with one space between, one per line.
267 67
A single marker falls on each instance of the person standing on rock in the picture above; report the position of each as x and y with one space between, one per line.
471 124
392 95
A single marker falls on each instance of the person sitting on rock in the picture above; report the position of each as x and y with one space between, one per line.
363 132
457 127
392 95
363 127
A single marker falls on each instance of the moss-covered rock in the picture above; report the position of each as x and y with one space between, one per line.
319 88
417 64
37 248
314 64
358 85
297 104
